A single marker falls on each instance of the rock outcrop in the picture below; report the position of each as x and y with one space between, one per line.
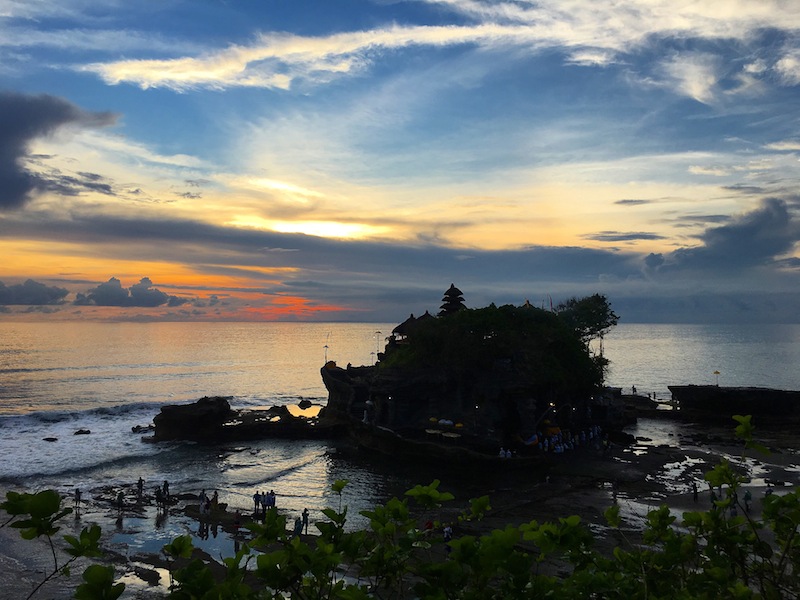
199 421
212 420
712 402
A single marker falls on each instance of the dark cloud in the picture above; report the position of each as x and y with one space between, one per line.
653 261
142 294
31 293
751 190
754 239
70 185
633 202
618 236
702 219
24 118
371 280
710 307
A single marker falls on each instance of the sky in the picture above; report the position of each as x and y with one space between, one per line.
348 160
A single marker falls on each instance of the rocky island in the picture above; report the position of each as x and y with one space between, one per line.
479 380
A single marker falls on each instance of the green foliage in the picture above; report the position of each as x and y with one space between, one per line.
86 544
36 515
429 496
589 317
99 584
42 510
536 344
704 554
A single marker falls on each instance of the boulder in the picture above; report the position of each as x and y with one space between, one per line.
200 421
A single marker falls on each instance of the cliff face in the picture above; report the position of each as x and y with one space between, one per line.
499 407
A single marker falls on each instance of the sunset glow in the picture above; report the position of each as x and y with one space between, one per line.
324 162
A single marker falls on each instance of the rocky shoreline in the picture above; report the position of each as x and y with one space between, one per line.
638 478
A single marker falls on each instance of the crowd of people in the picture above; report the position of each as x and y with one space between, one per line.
262 501
558 441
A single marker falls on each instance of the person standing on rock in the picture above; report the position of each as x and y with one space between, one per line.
256 502
77 498
298 526
140 487
305 520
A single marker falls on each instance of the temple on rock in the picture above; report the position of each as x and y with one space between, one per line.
496 375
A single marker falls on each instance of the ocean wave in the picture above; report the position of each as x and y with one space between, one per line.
86 414
76 463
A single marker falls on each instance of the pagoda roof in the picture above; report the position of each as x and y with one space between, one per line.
403 328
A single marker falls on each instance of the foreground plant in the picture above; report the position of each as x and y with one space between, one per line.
36 515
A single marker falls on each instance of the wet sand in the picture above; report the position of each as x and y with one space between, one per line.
585 483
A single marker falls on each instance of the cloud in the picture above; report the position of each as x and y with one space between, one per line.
693 74
142 294
708 170
24 118
618 236
754 239
784 146
587 33
633 202
31 293
788 67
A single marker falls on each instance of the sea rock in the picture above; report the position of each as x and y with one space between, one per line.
212 420
149 576
199 421
50 439
82 432
716 403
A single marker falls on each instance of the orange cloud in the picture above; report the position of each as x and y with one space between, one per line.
290 307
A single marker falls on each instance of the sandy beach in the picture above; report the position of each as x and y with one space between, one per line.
638 478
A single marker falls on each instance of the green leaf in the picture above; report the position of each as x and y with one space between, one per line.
612 515
181 547
339 485
16 503
99 584
44 504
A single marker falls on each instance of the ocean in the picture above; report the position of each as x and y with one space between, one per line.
58 378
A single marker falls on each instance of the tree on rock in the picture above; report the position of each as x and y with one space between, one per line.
589 317
452 302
